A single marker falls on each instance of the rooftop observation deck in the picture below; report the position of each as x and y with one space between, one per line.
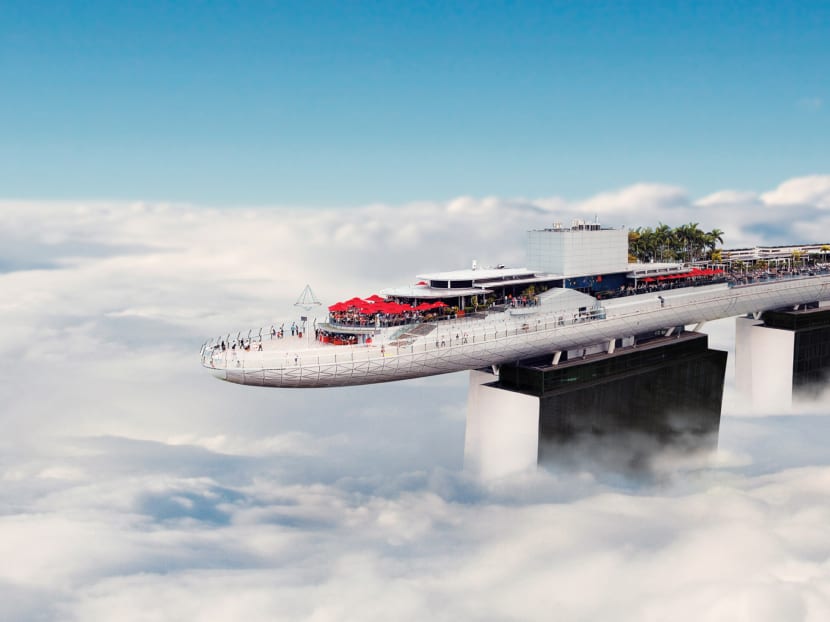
261 349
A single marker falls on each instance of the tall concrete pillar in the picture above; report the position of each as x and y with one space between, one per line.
502 434
781 356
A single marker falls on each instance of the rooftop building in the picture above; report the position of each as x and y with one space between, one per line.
581 249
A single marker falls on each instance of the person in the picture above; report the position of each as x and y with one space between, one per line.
273 331
383 350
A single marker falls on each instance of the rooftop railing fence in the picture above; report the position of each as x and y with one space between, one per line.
463 331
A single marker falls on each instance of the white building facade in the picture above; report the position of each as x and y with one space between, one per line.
578 250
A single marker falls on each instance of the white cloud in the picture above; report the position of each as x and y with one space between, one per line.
813 190
725 198
288 444
637 197
136 487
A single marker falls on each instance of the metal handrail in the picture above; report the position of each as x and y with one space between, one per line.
482 330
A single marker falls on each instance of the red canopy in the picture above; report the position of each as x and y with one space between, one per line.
392 308
375 304
351 303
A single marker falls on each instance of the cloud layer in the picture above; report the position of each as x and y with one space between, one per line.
135 487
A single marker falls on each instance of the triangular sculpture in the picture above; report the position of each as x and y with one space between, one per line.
307 299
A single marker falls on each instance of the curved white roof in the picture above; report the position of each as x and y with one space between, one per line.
426 292
475 275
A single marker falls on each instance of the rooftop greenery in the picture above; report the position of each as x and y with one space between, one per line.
663 243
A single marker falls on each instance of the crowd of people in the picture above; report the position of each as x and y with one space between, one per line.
295 330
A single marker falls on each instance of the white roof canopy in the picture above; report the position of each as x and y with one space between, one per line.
476 275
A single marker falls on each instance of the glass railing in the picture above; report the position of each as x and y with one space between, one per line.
252 350
463 331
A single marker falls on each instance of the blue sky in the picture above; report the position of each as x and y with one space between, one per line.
314 103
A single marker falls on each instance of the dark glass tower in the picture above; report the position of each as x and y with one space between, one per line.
667 389
811 346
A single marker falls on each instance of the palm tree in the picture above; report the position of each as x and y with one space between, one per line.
712 239
690 239
797 258
634 245
664 236
641 243
684 242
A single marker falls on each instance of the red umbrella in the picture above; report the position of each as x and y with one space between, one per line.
387 307
439 304
376 298
421 283
424 306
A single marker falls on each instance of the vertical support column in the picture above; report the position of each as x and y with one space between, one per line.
764 365
502 435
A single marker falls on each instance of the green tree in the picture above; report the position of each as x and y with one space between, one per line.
712 239
690 240
634 245
664 239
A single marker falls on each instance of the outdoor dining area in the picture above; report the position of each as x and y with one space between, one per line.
368 311
371 313
694 273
